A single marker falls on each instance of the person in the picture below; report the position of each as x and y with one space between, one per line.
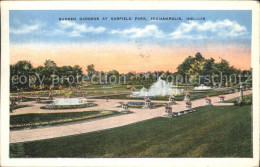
50 96
107 99
18 99
12 101
38 99
84 95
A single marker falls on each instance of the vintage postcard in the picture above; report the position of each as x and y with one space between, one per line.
130 84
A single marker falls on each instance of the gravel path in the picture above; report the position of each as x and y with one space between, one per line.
98 124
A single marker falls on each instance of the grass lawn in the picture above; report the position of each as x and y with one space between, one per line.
193 95
14 107
46 119
217 131
234 99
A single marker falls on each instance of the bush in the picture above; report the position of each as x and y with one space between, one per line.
247 100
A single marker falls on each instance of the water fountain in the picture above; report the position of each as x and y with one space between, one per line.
159 88
69 103
202 88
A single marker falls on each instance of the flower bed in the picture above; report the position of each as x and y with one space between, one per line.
140 104
48 119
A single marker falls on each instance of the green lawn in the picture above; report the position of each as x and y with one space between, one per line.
14 107
193 95
216 131
46 119
234 99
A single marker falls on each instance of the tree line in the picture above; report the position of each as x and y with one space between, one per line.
189 72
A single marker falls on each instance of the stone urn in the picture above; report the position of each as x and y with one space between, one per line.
125 109
168 111
188 105
147 103
187 97
221 98
208 101
171 100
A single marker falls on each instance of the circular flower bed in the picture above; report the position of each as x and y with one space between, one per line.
137 104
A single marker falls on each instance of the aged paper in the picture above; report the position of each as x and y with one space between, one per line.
125 83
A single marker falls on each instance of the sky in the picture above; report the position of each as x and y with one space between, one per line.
129 45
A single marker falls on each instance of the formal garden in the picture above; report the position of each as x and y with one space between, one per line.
209 132
158 108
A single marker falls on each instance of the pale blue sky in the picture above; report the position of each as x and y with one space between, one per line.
31 26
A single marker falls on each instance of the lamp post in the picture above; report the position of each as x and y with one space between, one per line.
241 93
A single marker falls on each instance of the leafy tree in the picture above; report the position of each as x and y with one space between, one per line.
19 75
91 70
49 64
185 66
199 57
208 69
112 75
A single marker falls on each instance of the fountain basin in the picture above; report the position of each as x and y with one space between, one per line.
73 101
202 88
68 104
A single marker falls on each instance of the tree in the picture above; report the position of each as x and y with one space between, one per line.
185 66
208 68
49 64
91 70
199 57
113 75
222 69
22 69
77 70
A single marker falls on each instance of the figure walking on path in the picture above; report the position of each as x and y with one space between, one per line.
50 96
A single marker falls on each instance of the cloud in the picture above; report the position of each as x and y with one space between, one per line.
76 29
25 29
147 31
224 28
188 30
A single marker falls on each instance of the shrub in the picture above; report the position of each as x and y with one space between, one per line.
247 100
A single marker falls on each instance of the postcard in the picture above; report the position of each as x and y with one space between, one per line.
130 83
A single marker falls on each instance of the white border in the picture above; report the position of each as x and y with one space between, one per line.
121 5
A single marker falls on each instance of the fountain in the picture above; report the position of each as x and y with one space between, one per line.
72 101
158 88
69 103
202 88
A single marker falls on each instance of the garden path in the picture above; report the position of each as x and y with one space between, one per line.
98 124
